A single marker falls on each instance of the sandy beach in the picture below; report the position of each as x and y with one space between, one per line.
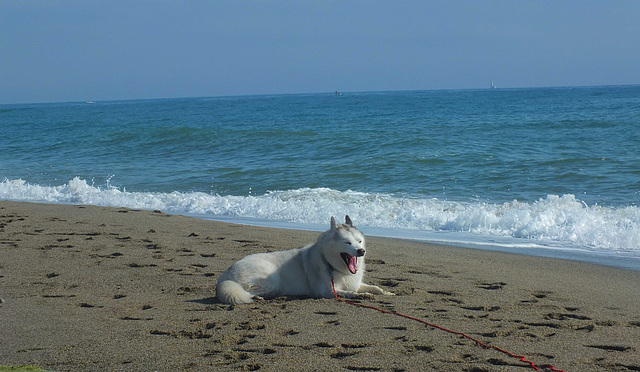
93 288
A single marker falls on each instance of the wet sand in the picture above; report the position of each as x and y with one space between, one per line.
92 288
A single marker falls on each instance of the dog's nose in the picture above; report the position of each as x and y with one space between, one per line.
360 252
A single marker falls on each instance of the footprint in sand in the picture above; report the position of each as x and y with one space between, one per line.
491 286
425 348
343 354
610 347
565 316
89 306
323 345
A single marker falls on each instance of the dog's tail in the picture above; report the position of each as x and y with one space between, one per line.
231 292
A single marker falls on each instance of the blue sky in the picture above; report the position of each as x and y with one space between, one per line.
66 50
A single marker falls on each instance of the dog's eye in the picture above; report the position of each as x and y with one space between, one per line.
348 243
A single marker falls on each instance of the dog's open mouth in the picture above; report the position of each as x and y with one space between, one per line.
350 261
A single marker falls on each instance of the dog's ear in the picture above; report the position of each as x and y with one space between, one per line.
333 223
347 221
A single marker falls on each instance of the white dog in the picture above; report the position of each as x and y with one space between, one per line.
338 254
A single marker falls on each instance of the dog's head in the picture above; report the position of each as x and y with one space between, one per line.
347 248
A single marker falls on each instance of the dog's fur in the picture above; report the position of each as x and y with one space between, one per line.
338 253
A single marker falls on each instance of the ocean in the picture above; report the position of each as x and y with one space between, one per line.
541 171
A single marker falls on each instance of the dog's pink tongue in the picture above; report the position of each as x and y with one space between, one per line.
353 264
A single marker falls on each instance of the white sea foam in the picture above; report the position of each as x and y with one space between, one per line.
555 221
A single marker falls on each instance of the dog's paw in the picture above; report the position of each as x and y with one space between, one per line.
257 299
364 296
347 294
388 293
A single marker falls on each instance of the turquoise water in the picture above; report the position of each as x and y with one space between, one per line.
556 169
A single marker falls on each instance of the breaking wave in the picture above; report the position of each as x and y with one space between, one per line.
557 221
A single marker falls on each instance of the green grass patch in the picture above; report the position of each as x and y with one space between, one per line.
24 368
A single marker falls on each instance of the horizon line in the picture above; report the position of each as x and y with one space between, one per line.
92 101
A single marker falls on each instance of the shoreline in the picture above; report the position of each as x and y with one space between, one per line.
620 258
98 288
527 248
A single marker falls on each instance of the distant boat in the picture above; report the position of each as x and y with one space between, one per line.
90 102
337 93
493 86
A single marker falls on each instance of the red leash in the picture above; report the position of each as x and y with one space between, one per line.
486 346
